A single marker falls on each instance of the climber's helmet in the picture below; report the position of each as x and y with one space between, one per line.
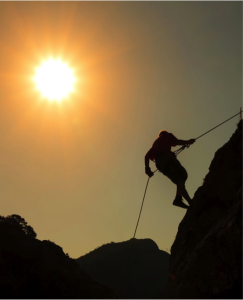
162 132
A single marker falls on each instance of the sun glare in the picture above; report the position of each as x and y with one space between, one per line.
54 79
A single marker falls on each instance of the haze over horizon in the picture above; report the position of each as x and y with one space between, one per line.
75 169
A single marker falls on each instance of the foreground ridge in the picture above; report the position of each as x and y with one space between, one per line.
34 269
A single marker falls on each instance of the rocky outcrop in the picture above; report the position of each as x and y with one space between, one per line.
146 272
34 269
206 257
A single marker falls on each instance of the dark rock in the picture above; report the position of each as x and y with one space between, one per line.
206 257
146 272
30 268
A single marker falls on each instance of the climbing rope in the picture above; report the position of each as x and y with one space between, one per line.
132 240
187 146
181 149
218 125
176 153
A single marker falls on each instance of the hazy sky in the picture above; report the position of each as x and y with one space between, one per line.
75 170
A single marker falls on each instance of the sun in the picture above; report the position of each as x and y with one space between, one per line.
54 79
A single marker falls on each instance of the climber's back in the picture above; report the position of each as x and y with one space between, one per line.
163 143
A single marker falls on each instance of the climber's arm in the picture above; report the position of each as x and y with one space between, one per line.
147 156
185 142
147 168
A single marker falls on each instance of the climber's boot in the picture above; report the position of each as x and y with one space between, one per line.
178 202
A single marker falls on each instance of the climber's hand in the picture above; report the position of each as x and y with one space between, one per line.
149 172
191 141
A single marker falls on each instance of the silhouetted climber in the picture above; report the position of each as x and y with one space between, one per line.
167 163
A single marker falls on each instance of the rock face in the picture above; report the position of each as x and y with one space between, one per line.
146 272
30 268
206 257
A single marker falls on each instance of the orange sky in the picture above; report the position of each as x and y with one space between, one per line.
75 170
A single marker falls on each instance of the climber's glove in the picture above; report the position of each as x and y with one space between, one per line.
149 172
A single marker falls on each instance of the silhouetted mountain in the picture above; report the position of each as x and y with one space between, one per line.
206 257
30 268
146 272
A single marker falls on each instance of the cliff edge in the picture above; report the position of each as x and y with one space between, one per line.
206 256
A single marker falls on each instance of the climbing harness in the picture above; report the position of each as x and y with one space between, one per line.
176 153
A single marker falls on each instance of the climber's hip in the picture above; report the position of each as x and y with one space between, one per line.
169 165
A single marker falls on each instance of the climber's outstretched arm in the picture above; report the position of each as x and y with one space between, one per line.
185 142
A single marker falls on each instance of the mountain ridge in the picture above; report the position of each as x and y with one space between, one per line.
32 269
146 269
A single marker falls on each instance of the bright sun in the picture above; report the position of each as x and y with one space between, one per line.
54 79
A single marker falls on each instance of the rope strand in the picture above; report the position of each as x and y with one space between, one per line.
134 234
187 146
217 126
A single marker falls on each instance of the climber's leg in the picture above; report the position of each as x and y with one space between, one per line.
178 175
181 190
178 200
